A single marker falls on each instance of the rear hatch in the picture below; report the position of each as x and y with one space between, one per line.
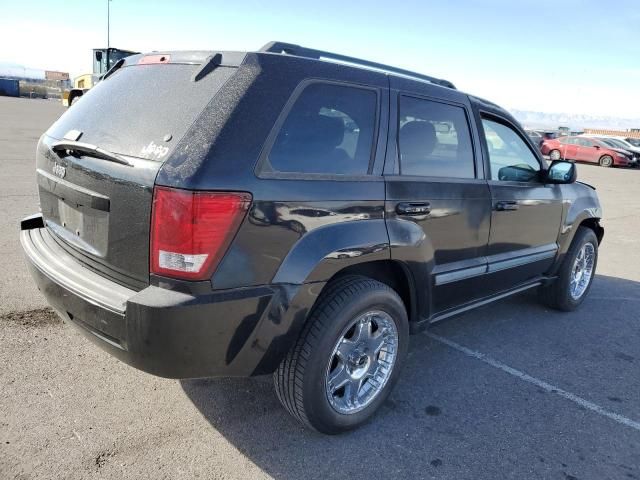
97 205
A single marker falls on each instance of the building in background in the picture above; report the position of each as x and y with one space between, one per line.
629 133
32 82
56 76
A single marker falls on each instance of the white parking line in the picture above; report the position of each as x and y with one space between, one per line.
535 381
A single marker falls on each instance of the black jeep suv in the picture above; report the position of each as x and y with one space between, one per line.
297 213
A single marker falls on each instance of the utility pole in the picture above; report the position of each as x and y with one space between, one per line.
108 20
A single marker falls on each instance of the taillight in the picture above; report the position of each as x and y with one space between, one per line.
191 231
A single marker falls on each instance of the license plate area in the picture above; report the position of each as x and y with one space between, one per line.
84 227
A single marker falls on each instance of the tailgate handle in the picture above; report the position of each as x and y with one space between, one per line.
72 193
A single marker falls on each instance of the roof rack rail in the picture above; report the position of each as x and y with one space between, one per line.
299 51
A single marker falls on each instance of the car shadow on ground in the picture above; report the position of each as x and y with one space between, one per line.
408 437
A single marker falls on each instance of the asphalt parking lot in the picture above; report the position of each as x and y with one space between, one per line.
512 390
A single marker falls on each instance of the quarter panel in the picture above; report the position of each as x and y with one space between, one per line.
285 241
327 250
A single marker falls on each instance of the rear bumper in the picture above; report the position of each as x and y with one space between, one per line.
240 332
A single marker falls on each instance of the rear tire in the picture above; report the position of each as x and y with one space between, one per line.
564 293
348 356
606 161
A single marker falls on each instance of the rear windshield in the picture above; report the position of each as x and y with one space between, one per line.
143 110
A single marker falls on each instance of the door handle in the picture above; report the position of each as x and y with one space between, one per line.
507 206
413 208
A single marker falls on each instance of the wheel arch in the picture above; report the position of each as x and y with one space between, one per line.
74 93
581 208
594 224
392 273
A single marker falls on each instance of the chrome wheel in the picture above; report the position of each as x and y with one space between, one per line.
361 362
582 271
554 155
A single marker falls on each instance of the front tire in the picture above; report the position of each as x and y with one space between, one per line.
606 161
554 155
348 356
576 273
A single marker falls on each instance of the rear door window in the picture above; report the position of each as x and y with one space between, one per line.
330 129
434 139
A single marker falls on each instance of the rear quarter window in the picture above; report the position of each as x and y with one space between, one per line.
329 129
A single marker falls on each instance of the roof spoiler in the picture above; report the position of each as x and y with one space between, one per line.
299 51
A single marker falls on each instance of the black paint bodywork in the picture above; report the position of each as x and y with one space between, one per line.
300 232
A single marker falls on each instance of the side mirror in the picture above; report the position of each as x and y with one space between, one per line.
561 171
517 173
98 56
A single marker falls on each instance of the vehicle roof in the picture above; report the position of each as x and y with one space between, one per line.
287 52
297 56
491 107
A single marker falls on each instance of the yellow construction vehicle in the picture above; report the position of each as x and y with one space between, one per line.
103 60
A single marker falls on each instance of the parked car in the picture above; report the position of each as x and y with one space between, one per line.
294 214
621 144
633 141
539 136
535 137
586 149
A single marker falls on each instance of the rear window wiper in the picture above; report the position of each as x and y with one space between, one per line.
72 146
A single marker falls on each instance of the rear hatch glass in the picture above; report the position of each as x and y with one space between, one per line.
100 210
141 110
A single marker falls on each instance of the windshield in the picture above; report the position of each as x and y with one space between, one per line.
621 143
608 142
143 110
100 59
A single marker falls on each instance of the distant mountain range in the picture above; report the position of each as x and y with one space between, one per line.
573 121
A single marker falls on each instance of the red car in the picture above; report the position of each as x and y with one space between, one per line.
585 149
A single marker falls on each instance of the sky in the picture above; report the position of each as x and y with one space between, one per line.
571 56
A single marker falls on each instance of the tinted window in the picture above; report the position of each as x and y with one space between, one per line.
434 140
583 142
510 158
133 111
329 129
